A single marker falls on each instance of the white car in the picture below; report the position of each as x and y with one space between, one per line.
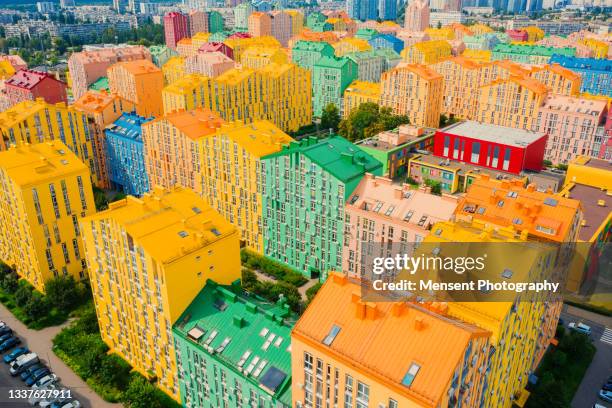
580 328
2 324
43 382
35 400
49 401
72 404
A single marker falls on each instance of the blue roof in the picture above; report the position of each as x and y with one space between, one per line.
591 64
129 126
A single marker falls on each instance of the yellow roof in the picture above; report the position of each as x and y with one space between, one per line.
29 164
168 224
24 110
260 138
185 84
235 75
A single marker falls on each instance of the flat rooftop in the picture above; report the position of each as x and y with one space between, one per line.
493 133
594 214
599 164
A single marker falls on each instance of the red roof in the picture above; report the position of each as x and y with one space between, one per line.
211 47
28 79
240 35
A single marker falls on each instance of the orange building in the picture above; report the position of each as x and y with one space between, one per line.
414 90
260 24
392 354
140 82
560 80
101 109
171 146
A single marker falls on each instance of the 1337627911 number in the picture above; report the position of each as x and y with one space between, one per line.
27 394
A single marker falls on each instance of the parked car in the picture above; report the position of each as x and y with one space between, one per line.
2 324
596 405
9 344
69 404
5 337
605 395
22 362
9 358
37 375
43 382
5 329
607 386
580 328
34 400
30 370
49 402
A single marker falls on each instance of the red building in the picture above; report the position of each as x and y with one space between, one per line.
517 35
495 147
217 47
176 27
30 85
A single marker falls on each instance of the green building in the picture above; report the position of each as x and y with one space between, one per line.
321 26
529 54
366 33
391 57
370 65
306 185
232 350
100 84
215 22
330 77
314 18
160 54
307 53
219 36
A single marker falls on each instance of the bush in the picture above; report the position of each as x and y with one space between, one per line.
37 307
114 372
272 268
23 295
312 291
140 394
436 186
9 282
63 292
412 181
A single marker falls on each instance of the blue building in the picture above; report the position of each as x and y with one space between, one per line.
387 41
387 9
125 154
362 9
596 73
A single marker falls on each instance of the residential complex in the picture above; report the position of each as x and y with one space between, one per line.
359 92
28 85
330 78
45 193
596 74
141 83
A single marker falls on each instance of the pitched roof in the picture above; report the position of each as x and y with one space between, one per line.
28 79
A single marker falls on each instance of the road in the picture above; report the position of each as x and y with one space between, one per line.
601 367
40 341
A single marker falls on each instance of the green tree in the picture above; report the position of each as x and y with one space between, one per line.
37 307
436 186
63 292
114 371
368 120
312 291
9 282
330 117
140 394
23 295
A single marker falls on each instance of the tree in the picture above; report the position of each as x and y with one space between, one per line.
140 394
63 292
330 117
312 291
9 282
114 371
37 307
368 120
436 186
23 295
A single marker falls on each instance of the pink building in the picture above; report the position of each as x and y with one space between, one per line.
88 66
280 23
605 151
198 22
457 47
217 47
573 125
517 35
211 64
28 85
396 216
417 15
260 24
15 60
176 27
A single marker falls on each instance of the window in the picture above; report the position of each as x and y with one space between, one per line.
506 164
54 200
413 370
363 395
348 392
331 336
475 152
392 403
446 145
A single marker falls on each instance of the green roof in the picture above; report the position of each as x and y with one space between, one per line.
332 62
361 55
366 33
256 329
318 46
101 84
534 49
334 154
388 53
160 49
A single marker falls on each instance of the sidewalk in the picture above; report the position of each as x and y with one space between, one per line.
40 341
587 315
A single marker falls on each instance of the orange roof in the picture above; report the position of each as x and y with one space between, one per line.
507 203
465 62
511 66
421 70
309 35
94 101
195 124
382 340
557 69
137 67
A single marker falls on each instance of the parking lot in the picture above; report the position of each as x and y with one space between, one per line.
7 383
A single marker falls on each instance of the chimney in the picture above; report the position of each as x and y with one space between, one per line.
398 193
419 324
371 311
531 188
398 309
484 177
360 311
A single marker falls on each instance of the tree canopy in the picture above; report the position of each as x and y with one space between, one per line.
368 120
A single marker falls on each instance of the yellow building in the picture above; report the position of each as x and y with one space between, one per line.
297 21
258 56
560 80
148 258
444 33
512 102
350 44
427 52
141 83
174 69
280 93
413 90
599 48
38 121
171 146
480 28
230 179
6 69
360 92
239 45
477 55
188 47
534 33
45 193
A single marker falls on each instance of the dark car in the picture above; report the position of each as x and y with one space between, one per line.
9 344
5 330
37 375
607 386
30 370
5 337
9 358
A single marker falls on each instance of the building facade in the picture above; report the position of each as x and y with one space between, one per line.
596 74
330 77
141 83
28 85
176 27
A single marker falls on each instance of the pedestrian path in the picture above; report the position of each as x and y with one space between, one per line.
606 337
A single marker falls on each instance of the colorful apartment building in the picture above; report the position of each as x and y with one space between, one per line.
477 55
176 27
359 92
390 216
414 90
366 33
480 42
297 21
141 83
387 41
160 54
171 150
560 80
259 24
350 45
280 93
600 49
101 110
258 57
46 191
174 69
239 44
125 155
37 122
596 74
230 161
307 53
86 67
241 16
100 85
574 126
391 58
28 85
280 22
306 186
416 17
211 47
496 147
394 147
426 52
330 360
370 65
171 243
330 77
529 54
211 64
197 21
517 35
238 341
